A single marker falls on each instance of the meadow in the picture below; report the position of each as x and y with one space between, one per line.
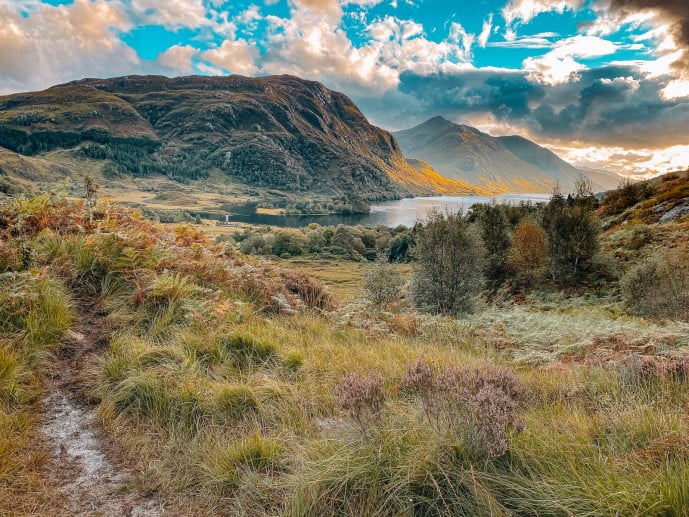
238 385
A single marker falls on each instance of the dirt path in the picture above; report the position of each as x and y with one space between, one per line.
82 465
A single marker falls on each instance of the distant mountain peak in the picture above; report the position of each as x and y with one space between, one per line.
509 164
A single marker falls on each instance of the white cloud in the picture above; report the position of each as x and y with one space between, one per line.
531 42
459 36
559 66
171 13
526 10
178 58
51 44
236 56
639 163
312 44
485 31
249 17
676 90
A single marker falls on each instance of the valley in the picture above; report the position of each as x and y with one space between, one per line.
212 378
365 337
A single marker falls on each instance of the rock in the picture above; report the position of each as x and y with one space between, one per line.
676 212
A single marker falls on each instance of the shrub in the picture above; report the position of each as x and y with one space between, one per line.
476 405
383 283
361 396
288 243
10 257
309 290
494 228
659 286
450 262
256 245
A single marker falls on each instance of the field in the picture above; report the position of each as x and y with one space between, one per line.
214 383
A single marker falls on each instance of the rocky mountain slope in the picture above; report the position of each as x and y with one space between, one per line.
276 133
506 164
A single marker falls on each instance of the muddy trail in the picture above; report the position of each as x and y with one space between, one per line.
84 468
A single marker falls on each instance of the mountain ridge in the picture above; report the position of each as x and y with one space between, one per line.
506 163
274 132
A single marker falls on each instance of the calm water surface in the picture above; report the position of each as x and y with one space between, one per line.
388 213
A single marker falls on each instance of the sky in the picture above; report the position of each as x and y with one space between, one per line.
603 83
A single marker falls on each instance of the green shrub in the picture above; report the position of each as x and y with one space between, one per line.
659 286
383 283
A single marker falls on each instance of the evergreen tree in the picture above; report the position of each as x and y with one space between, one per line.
572 231
495 232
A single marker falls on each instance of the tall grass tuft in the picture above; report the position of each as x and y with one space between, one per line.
225 465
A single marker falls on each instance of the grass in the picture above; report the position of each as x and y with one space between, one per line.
35 314
220 382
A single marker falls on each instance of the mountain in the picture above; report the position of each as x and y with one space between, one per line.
601 179
277 133
505 164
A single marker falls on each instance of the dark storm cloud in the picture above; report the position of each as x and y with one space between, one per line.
613 105
506 95
675 12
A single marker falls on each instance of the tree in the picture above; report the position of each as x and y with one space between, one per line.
528 255
450 256
91 189
495 232
572 231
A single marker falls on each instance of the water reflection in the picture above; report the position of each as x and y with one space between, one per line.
389 213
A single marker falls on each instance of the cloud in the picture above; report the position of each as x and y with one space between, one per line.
171 13
526 10
178 58
52 44
674 13
236 56
676 90
329 7
610 106
559 65
527 42
312 44
639 164
485 31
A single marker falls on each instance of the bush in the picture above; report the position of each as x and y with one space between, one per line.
659 286
361 396
383 283
309 290
450 263
494 228
476 405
